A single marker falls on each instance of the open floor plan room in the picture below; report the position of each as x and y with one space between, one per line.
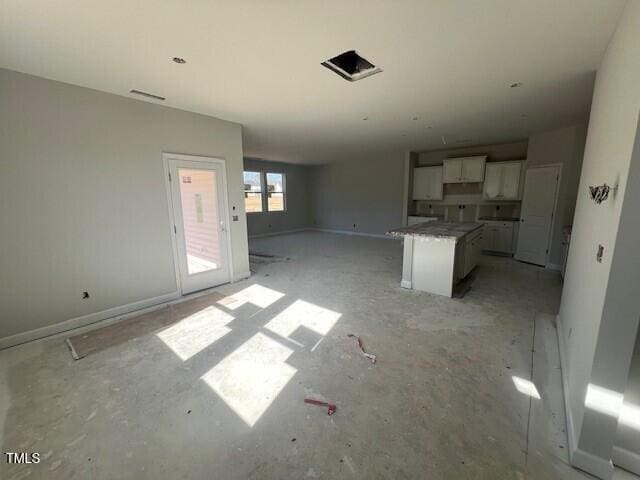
330 240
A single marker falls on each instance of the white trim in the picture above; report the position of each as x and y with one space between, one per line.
240 276
626 459
361 234
571 436
221 161
597 466
105 317
600 467
553 266
280 232
406 284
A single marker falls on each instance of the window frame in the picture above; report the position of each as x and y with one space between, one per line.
261 192
284 192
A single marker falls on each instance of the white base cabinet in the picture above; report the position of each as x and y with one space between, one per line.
499 237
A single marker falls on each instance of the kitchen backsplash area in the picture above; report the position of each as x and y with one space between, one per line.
469 212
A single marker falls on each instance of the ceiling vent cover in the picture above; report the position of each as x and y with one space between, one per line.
351 66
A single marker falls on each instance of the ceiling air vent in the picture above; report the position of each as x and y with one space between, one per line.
148 95
351 66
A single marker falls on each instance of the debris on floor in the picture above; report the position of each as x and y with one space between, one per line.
370 356
331 408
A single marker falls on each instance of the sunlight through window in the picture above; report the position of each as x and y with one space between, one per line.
315 318
612 403
526 387
603 400
252 376
196 332
256 294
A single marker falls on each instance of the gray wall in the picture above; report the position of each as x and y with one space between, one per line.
298 210
600 304
83 203
566 147
367 192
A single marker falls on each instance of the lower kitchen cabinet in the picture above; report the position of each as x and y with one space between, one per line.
499 237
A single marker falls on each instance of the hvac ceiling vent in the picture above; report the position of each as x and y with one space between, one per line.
351 66
148 95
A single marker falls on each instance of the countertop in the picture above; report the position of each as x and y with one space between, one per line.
499 219
427 215
449 230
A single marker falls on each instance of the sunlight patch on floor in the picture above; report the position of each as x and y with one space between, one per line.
318 319
526 387
196 332
256 294
252 376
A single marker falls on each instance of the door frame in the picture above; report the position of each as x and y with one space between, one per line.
222 163
555 206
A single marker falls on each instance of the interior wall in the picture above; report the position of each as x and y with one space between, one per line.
627 445
596 332
566 147
83 202
361 195
298 212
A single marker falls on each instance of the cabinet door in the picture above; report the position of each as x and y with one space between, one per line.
511 181
492 181
473 169
452 171
427 183
504 239
420 183
434 180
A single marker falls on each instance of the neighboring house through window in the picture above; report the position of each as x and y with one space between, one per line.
253 192
275 192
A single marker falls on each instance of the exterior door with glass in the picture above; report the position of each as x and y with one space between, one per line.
199 221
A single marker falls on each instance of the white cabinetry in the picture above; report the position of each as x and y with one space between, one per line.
499 237
468 253
427 183
464 170
502 181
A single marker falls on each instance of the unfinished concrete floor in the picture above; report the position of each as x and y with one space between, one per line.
220 396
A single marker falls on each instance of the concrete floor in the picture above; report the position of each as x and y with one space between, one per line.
221 395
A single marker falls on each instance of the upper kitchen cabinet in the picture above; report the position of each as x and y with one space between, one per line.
502 181
464 170
427 183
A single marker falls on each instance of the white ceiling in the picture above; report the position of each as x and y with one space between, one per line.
447 62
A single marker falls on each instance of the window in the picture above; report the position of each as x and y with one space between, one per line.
275 192
252 192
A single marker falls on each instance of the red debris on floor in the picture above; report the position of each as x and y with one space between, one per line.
331 408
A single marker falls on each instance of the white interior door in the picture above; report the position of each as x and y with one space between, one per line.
200 222
536 217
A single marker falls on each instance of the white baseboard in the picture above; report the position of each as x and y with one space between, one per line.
553 266
571 435
112 314
406 284
109 316
240 276
361 234
626 459
281 232
589 463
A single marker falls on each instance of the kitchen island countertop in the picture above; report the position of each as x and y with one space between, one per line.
448 230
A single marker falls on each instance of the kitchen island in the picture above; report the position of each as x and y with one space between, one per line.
437 255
